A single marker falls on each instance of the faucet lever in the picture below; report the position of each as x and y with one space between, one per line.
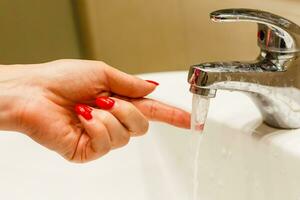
275 33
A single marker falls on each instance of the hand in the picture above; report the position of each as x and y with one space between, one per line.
39 100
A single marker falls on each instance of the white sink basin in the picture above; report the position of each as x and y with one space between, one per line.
239 159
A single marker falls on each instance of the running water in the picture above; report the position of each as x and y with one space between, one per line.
195 176
199 114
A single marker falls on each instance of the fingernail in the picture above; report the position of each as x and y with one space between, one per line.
84 110
105 103
153 82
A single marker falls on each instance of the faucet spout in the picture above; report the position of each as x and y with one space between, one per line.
272 84
234 75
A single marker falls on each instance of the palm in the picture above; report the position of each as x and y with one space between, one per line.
56 126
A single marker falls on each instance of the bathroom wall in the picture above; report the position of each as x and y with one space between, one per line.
37 31
144 36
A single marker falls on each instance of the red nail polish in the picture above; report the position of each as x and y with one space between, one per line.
105 103
153 82
84 111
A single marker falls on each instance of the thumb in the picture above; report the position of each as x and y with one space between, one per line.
127 85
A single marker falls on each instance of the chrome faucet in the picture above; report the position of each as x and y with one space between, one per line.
273 80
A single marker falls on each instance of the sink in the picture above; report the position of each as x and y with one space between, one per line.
238 158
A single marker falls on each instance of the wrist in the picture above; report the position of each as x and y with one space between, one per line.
7 117
12 88
7 100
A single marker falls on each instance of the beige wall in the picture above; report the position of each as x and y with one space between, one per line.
37 30
142 36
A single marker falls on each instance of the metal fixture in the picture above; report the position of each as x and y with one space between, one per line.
272 80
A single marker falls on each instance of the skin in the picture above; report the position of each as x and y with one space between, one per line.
39 101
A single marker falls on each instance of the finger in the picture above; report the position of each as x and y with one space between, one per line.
97 141
127 85
136 123
158 111
116 132
119 135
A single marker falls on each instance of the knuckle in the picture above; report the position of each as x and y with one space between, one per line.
105 149
144 127
172 116
102 64
152 109
134 116
127 112
74 160
124 140
59 61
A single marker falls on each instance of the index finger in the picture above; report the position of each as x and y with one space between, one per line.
158 111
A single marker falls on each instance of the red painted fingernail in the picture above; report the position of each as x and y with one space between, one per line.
153 82
84 110
105 103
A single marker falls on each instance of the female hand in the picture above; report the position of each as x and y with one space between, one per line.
39 100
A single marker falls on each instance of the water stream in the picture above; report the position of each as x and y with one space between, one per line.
195 183
200 108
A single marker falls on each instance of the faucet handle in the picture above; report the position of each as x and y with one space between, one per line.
275 33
